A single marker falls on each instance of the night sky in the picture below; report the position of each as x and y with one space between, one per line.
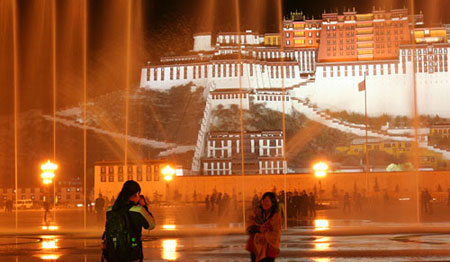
159 28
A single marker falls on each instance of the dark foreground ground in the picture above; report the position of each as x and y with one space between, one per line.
190 233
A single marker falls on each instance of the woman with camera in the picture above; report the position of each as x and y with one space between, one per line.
124 223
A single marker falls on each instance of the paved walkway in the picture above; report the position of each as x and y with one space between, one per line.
331 236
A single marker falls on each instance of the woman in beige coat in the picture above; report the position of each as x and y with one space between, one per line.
264 228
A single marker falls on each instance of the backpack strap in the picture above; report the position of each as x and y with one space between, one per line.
130 227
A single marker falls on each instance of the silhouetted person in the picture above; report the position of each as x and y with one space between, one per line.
88 204
335 191
312 205
425 199
212 201
207 202
429 198
448 198
385 199
100 207
235 202
8 206
346 202
304 204
46 206
358 202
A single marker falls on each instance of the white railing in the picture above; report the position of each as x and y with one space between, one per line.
202 132
323 118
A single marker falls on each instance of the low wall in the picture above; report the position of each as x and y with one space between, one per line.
403 184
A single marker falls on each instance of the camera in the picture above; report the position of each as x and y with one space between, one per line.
143 198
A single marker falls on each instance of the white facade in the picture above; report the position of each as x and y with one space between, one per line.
226 74
245 38
202 42
389 84
264 153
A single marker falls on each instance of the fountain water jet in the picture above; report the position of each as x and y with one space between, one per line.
54 97
16 99
84 46
283 98
241 116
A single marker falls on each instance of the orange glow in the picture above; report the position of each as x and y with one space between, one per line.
169 227
49 166
49 257
321 224
322 243
48 172
47 181
322 246
170 249
51 228
321 259
168 173
49 244
168 170
320 169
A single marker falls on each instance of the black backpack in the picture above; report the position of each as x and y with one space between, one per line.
119 244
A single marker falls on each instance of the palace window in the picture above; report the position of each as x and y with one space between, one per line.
156 174
148 173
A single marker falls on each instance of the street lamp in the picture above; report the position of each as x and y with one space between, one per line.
48 172
47 175
320 169
168 173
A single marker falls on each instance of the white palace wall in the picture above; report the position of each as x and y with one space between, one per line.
434 93
224 74
389 85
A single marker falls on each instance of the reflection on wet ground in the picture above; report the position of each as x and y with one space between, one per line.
318 240
314 247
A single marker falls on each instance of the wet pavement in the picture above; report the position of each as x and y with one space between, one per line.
319 240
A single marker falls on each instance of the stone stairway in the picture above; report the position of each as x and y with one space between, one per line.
322 117
202 131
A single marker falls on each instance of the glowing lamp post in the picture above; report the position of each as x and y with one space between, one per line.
48 172
168 173
320 169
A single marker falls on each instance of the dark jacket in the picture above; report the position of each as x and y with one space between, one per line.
140 218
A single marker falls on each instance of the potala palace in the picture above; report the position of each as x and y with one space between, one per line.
317 64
